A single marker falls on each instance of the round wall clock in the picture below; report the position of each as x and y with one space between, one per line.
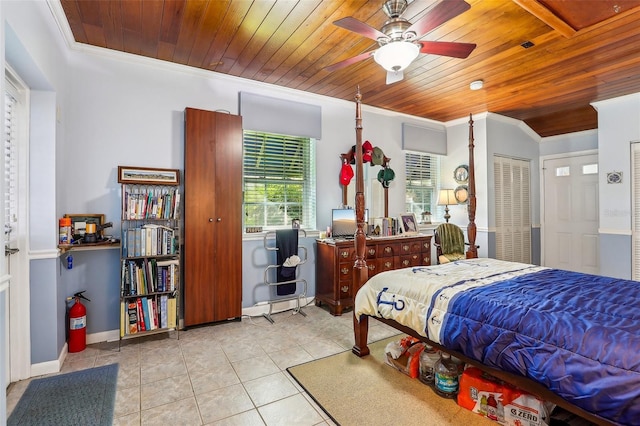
461 174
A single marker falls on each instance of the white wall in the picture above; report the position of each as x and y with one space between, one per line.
618 126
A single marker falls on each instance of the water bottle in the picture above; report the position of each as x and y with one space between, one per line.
69 262
428 358
446 377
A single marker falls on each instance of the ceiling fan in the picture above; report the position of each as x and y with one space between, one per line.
399 39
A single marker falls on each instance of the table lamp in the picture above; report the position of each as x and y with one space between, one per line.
446 197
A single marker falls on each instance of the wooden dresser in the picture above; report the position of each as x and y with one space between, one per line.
334 265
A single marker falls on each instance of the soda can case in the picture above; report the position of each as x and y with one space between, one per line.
499 401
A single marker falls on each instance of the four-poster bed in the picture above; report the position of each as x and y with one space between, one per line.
571 339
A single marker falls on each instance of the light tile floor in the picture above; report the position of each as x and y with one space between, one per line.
224 374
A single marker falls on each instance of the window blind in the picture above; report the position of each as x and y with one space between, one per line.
10 168
280 116
422 180
423 139
279 180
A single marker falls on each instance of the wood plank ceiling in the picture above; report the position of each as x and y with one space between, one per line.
583 51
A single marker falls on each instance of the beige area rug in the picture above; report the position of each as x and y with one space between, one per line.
367 391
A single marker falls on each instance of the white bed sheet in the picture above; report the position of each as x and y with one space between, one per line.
410 295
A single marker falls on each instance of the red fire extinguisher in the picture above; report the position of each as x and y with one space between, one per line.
77 323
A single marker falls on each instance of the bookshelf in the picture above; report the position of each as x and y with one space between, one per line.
149 259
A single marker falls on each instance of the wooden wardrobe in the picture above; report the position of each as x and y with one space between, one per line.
212 261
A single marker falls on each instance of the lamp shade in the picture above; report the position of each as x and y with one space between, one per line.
447 197
396 55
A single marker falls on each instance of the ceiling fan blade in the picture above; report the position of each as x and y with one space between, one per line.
447 48
352 24
349 61
437 16
394 76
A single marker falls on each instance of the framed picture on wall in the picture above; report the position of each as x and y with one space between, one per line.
128 174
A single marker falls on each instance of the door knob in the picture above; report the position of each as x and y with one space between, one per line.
219 219
210 219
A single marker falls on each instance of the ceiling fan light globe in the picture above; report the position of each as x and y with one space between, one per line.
396 56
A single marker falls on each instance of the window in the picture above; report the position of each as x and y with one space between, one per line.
279 180
423 172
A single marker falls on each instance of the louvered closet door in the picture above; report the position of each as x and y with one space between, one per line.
513 209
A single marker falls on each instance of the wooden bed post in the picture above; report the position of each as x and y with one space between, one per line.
360 271
472 252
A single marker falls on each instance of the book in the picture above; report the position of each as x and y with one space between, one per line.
122 318
143 241
176 204
132 312
149 242
125 247
163 311
171 312
141 319
148 314
138 241
126 282
131 242
154 241
154 308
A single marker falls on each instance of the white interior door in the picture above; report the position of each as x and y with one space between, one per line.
16 267
571 215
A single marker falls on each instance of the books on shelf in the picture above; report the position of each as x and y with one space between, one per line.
149 240
148 313
150 202
150 261
385 226
147 276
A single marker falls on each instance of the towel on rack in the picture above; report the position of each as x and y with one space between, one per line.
287 245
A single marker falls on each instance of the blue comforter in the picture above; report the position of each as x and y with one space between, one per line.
577 334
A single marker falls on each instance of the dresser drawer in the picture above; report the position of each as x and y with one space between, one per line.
410 260
410 247
345 271
385 264
346 253
388 250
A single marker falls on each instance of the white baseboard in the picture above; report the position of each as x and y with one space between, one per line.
49 366
104 336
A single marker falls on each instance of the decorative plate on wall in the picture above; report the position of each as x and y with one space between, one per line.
462 194
461 173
